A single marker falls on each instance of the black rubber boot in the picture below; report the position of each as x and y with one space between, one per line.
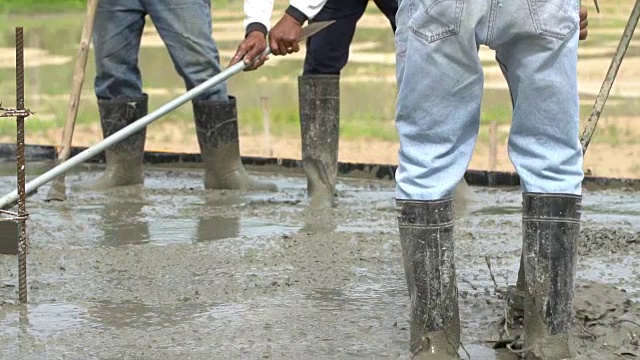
319 103
426 236
515 298
551 228
124 159
217 130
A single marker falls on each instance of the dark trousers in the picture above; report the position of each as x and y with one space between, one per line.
328 51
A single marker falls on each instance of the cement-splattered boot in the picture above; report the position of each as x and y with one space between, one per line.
217 131
124 159
551 228
426 236
319 103
516 295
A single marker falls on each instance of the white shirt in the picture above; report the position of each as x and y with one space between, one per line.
260 10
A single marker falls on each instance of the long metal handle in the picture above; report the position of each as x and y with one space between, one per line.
9 199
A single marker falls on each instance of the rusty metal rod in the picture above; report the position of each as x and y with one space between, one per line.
22 207
610 78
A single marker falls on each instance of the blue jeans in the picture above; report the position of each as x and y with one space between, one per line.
328 51
440 86
185 28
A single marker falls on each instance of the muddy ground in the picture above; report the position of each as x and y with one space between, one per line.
171 271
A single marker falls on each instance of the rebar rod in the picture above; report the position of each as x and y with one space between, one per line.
20 162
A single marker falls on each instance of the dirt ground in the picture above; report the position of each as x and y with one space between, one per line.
172 271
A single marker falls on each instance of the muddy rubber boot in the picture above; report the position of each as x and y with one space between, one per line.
426 236
516 294
319 104
462 196
551 228
124 159
217 131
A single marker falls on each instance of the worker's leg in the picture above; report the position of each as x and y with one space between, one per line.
440 86
319 97
185 26
517 305
389 8
118 87
540 62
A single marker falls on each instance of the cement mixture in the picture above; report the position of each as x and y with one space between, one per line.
171 271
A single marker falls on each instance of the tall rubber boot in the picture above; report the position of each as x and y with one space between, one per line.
319 104
124 159
426 236
217 132
516 294
551 229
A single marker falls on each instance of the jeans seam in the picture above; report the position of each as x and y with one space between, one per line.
492 22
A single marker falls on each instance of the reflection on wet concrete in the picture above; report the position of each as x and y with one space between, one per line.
217 227
328 299
41 321
214 222
319 221
123 222
143 317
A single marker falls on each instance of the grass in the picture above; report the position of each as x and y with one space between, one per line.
62 6
41 6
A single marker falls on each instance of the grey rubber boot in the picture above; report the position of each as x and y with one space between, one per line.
217 131
124 159
426 236
319 104
551 229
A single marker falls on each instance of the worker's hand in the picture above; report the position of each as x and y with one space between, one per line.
250 49
584 23
284 37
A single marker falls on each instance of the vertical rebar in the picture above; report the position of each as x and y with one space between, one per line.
22 211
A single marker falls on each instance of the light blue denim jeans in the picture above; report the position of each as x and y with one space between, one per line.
185 28
440 86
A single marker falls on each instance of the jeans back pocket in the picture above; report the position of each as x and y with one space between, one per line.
433 20
555 18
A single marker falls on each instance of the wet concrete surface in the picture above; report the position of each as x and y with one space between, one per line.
172 271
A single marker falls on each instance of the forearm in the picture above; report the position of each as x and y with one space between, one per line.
258 15
303 10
